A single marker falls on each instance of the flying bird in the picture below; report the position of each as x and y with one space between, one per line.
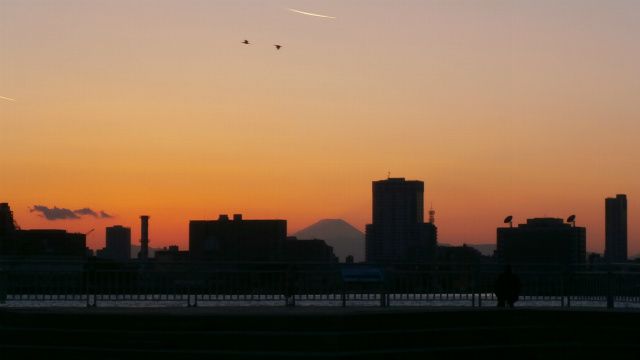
277 46
6 98
246 42
311 14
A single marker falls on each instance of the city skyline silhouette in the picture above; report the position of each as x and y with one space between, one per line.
362 179
397 232
56 217
525 109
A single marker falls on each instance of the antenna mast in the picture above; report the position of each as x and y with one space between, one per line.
432 215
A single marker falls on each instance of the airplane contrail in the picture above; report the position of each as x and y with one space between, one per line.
6 98
311 14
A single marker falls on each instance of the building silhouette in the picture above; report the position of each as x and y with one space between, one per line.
616 229
144 238
171 254
237 239
117 244
542 240
41 243
398 233
7 228
459 255
314 250
49 243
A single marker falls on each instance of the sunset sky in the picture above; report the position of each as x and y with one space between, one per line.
524 108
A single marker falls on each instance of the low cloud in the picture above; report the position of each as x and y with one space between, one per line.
54 213
85 211
57 213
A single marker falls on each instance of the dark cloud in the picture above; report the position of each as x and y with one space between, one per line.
54 213
57 213
85 211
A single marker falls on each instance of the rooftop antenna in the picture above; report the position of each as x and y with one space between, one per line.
388 175
572 219
509 220
432 215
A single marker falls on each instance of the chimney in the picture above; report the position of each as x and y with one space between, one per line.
237 217
144 237
223 217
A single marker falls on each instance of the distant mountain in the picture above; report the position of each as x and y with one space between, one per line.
342 236
485 249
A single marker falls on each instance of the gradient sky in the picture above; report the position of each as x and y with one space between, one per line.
529 108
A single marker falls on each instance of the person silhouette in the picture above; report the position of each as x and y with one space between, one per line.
507 288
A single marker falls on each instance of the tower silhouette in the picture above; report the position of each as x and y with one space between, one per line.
398 232
144 237
616 229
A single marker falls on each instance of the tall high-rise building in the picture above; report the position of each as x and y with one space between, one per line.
118 243
616 228
398 232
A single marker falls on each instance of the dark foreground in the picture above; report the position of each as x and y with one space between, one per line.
308 333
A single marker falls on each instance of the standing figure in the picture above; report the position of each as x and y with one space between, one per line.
507 288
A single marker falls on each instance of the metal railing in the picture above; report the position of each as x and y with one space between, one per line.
208 284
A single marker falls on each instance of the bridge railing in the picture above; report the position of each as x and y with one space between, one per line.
206 284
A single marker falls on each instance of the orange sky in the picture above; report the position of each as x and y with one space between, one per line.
527 108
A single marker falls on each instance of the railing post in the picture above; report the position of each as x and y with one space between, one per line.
569 287
4 279
290 286
610 295
478 286
384 301
195 300
474 284
90 288
343 295
563 289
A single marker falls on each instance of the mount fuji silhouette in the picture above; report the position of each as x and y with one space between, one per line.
342 236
